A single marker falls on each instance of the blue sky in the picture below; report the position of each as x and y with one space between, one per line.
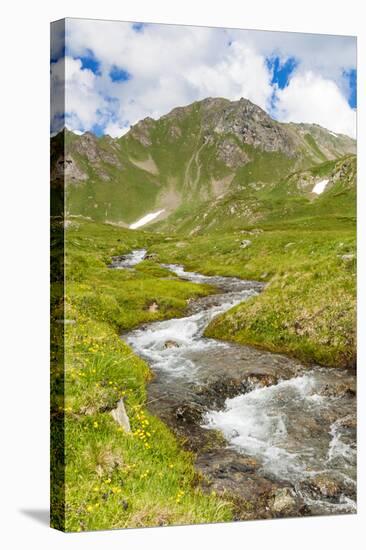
281 70
117 73
352 94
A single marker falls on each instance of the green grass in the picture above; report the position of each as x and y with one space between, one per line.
308 306
311 141
114 479
258 198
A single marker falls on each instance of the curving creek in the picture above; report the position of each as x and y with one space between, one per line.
277 436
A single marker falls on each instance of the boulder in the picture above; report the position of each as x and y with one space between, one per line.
120 416
324 486
190 413
171 344
338 390
284 501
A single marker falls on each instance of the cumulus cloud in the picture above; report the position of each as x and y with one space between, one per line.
312 98
170 65
115 130
83 103
328 55
175 65
241 73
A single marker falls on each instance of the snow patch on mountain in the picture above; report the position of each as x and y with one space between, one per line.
146 219
320 186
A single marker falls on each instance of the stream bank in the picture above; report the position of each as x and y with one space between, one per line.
275 436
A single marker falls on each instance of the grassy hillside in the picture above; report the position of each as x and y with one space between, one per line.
287 200
308 306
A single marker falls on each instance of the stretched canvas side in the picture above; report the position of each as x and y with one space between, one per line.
57 252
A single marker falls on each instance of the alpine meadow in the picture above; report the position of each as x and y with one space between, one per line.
203 355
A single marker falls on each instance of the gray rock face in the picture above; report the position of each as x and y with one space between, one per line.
88 146
339 390
249 123
141 131
231 154
120 416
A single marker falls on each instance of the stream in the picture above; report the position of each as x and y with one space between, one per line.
275 434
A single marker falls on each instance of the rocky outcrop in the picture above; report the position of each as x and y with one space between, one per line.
339 390
89 147
252 126
141 131
231 154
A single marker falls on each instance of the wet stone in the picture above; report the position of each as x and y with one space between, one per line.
338 390
284 501
349 421
189 412
325 486
171 344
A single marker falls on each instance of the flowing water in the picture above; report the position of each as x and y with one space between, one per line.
128 260
298 423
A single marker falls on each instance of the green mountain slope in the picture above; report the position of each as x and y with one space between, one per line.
288 201
195 154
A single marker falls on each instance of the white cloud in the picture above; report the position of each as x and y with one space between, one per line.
328 55
176 65
115 130
82 99
312 98
241 73
170 65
